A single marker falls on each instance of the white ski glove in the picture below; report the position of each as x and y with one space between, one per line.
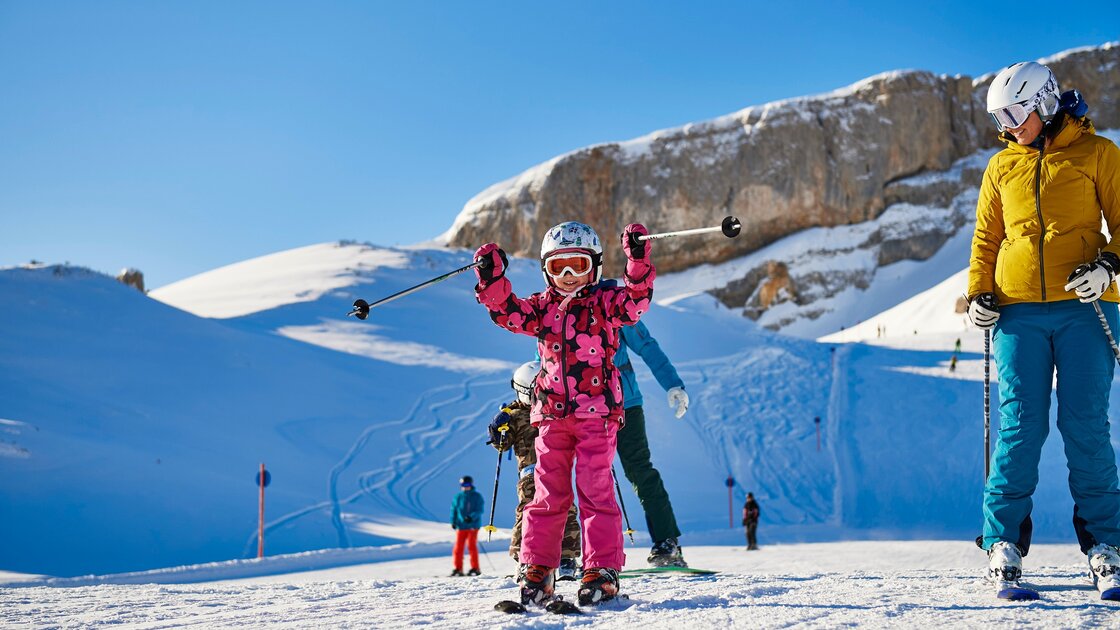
1090 281
678 398
982 311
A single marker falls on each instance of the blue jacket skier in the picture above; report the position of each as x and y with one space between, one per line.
466 518
633 444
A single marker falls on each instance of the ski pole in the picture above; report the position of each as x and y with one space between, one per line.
487 555
622 504
1107 331
490 529
987 403
361 307
730 228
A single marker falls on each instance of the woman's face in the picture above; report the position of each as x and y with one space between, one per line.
1028 131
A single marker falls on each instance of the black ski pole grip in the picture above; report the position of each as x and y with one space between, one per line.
731 227
361 309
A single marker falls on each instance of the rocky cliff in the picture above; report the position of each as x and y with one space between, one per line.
835 159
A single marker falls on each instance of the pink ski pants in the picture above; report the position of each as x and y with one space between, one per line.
590 445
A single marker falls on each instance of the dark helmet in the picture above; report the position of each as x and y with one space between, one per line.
467 480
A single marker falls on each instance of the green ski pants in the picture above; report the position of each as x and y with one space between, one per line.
633 451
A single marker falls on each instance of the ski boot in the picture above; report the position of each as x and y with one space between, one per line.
536 584
598 586
474 571
1104 567
568 570
456 573
666 553
1005 569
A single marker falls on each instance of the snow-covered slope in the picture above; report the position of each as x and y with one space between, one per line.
865 584
133 430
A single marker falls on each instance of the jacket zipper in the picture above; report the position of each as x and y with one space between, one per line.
1041 223
564 359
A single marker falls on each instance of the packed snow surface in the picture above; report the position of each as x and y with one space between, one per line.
869 584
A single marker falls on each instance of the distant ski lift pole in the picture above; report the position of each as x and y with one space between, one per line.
817 421
730 502
263 479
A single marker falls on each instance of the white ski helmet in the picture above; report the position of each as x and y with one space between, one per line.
523 379
1020 89
573 235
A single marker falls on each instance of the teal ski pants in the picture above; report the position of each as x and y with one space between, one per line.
1031 342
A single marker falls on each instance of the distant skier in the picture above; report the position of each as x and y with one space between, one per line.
633 444
953 363
1037 246
578 396
750 521
521 436
466 518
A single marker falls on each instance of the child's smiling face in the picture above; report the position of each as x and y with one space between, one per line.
569 283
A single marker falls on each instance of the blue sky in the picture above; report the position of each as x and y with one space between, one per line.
177 137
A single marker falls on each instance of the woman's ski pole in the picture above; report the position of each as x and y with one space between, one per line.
987 403
1107 331
622 504
730 228
490 529
361 307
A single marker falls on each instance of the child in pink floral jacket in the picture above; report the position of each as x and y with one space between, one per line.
578 396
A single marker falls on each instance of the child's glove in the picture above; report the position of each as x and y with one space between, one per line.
631 246
494 263
499 432
679 399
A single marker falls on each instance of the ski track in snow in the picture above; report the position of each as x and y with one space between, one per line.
398 484
837 403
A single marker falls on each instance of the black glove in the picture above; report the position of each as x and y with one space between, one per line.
499 432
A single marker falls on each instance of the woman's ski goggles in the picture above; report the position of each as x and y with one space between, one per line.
574 263
1014 115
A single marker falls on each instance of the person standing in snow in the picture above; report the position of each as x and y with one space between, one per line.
1039 262
511 429
750 521
578 395
466 518
633 444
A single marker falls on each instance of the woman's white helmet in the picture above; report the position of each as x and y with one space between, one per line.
523 379
573 235
1020 89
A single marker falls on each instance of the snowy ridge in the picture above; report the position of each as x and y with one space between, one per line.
268 281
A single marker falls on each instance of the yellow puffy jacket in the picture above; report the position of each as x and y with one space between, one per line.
1039 215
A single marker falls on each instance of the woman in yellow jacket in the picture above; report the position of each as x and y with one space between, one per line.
1038 259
